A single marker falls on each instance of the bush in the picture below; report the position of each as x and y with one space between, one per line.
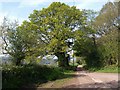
17 76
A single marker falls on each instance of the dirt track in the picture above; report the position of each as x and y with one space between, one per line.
83 79
95 80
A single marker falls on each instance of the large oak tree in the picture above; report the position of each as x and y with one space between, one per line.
54 26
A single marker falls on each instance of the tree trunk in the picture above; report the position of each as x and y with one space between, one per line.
62 60
94 41
19 60
67 60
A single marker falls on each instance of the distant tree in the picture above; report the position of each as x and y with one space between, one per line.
20 44
108 45
86 45
107 18
12 43
91 15
104 48
106 24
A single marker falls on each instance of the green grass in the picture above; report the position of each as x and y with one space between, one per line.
68 71
75 64
106 69
109 69
58 83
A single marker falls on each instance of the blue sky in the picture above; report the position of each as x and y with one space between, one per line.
21 9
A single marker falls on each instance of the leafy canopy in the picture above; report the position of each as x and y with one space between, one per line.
55 25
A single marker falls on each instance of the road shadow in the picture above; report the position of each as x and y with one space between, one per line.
111 85
34 87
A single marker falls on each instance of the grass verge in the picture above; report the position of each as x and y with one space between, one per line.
106 69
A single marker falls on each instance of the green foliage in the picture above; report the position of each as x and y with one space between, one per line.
19 43
13 44
53 26
108 45
85 48
56 24
102 50
85 45
49 30
17 76
108 42
80 61
109 69
33 46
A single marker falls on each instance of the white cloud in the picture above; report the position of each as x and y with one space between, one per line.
10 17
0 6
2 15
9 0
56 0
24 3
91 4
83 3
29 3
13 18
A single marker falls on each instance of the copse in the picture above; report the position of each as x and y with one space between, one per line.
99 43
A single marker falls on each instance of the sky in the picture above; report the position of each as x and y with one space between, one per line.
21 9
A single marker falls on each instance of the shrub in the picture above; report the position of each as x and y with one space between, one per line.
17 76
